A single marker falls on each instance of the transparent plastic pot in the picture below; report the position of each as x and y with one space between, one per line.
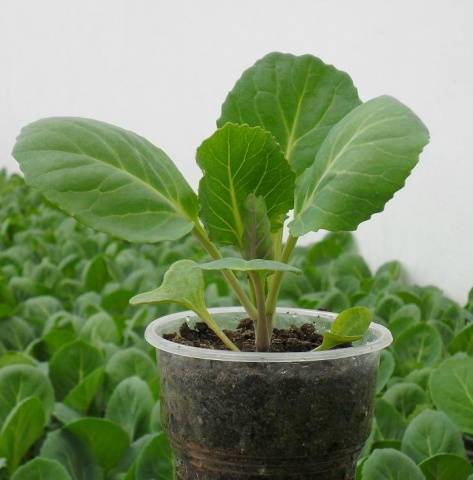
298 416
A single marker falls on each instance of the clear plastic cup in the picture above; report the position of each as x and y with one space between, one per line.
234 415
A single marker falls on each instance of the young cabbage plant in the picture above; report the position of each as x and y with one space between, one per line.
293 136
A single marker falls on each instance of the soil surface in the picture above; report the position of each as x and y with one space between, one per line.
294 339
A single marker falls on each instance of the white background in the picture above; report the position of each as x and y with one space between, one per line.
162 69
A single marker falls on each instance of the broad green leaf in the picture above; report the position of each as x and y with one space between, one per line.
405 397
451 387
257 241
463 341
446 466
130 405
18 382
349 326
73 453
130 362
41 469
420 377
183 284
237 161
297 98
351 264
389 464
431 433
416 347
155 461
100 328
363 161
16 358
107 440
71 364
21 429
255 265
82 395
387 365
108 178
15 333
332 246
64 413
96 274
390 423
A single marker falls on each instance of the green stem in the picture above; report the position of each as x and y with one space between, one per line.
276 282
212 324
263 339
232 280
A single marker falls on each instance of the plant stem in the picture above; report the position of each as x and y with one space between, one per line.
232 280
277 277
212 324
263 338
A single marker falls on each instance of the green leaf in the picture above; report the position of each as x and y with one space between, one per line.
73 453
18 382
446 466
130 405
451 387
16 358
64 413
155 461
389 464
363 161
297 98
21 429
387 365
416 347
183 284
430 433
391 425
405 397
349 326
96 274
463 341
257 241
71 364
237 161
255 265
106 440
130 362
82 395
332 246
108 178
41 469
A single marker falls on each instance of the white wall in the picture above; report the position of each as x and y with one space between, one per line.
162 69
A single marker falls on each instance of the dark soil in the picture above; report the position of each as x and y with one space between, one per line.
294 339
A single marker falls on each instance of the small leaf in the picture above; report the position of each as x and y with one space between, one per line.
183 284
445 466
387 365
96 274
82 395
405 397
349 326
106 440
391 425
257 241
389 464
416 347
430 433
238 160
130 362
255 265
65 414
463 341
108 178
130 405
155 461
71 364
18 382
363 161
297 98
73 453
21 429
451 387
41 469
